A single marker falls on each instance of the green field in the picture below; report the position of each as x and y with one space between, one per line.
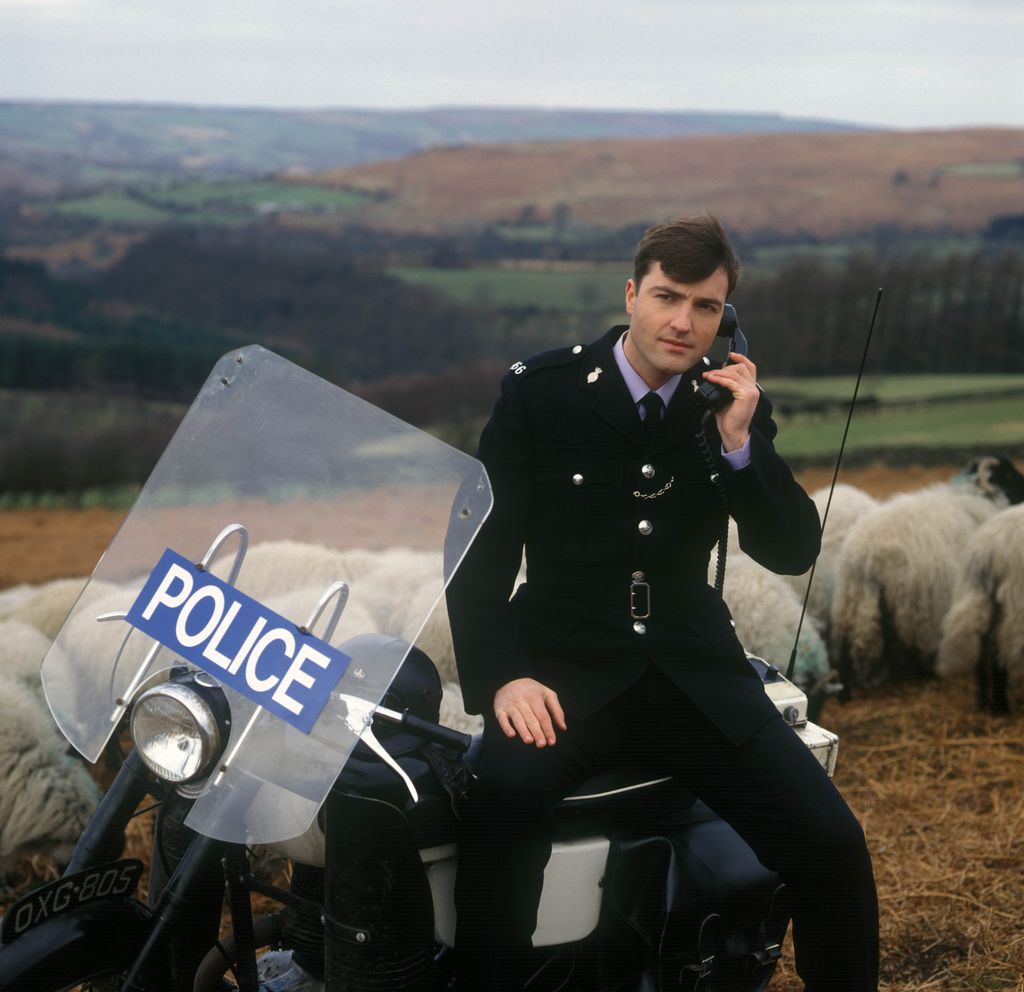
258 195
942 421
894 388
204 202
114 207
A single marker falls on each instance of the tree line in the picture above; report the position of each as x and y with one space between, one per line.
153 326
960 313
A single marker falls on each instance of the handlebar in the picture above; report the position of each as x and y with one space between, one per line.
434 732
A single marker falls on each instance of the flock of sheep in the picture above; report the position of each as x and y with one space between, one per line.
932 582
928 582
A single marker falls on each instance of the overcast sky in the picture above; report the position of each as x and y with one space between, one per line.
902 63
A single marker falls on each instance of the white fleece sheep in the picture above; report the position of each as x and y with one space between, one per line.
12 597
45 606
766 611
453 711
984 628
298 604
275 567
21 653
849 506
400 594
896 571
46 796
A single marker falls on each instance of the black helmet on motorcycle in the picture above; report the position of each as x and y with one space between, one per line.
416 689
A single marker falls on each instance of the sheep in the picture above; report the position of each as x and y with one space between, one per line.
22 648
984 628
766 612
848 506
453 711
46 796
401 594
45 606
15 595
274 567
897 567
298 604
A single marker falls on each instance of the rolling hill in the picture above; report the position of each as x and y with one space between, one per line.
824 184
87 143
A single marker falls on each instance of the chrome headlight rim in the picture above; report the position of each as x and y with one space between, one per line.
194 726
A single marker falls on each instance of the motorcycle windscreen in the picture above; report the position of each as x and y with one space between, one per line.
329 489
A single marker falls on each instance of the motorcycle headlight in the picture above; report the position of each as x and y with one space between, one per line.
175 731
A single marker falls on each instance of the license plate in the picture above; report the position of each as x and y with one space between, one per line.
114 880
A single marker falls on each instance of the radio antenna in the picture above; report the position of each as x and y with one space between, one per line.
835 476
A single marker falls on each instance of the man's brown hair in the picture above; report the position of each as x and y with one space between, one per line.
689 249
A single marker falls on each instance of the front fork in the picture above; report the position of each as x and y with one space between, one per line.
185 907
103 838
181 930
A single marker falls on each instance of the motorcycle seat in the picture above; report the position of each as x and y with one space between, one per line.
627 799
621 797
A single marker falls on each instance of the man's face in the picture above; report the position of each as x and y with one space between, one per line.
671 324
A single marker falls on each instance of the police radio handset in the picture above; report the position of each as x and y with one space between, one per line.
729 338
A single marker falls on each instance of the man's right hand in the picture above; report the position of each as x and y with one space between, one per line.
526 708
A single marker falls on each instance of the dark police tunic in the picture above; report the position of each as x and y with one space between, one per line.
618 532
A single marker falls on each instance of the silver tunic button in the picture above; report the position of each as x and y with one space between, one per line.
577 479
647 471
640 628
645 527
577 349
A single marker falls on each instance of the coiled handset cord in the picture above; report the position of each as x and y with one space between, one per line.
715 477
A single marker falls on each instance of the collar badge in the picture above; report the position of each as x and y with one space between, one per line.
593 376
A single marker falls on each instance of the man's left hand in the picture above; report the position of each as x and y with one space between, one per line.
739 377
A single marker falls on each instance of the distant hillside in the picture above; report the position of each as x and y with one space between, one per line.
83 143
824 184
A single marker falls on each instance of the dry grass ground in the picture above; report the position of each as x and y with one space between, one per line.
38 545
938 787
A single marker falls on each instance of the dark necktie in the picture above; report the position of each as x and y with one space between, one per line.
653 404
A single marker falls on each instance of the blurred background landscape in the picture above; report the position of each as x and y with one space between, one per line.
412 255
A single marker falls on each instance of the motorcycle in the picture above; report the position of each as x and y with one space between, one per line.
264 712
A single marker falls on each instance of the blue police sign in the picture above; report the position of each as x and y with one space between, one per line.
238 640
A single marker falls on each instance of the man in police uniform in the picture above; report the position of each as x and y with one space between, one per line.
606 469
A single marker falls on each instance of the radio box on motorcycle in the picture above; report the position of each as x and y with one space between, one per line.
791 702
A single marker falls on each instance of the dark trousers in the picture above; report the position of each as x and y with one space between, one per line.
770 789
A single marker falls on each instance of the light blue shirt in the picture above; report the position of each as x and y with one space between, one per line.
638 389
